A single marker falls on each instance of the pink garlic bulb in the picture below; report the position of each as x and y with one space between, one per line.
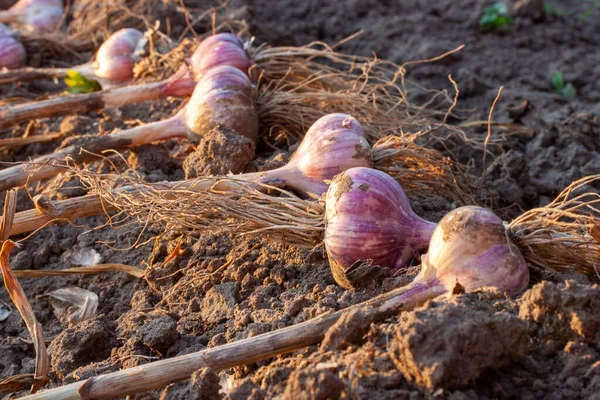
12 52
469 238
223 95
369 222
217 50
117 55
35 15
222 49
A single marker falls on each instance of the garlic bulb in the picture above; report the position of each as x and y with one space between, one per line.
12 52
217 50
369 222
117 55
35 15
331 145
222 49
470 247
224 95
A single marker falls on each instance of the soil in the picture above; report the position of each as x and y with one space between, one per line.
205 289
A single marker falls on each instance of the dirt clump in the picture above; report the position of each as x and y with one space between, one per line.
220 302
560 315
220 152
347 330
246 390
313 384
203 385
88 341
450 344
160 333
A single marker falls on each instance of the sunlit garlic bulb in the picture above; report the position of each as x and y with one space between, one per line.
117 55
224 95
369 222
38 16
218 50
474 238
12 52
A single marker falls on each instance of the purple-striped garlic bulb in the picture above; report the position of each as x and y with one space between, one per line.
369 222
470 247
117 56
222 49
12 52
38 16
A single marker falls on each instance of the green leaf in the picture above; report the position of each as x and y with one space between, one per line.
562 88
569 91
495 16
590 10
78 83
558 81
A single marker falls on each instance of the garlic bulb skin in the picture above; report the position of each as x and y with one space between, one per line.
222 49
12 52
333 144
470 247
217 50
35 15
116 57
369 222
224 95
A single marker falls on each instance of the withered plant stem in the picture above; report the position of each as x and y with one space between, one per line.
45 166
80 103
31 74
48 211
161 373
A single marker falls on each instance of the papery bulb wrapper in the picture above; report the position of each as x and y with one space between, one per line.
333 144
220 50
470 247
35 15
116 57
369 222
222 96
12 53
